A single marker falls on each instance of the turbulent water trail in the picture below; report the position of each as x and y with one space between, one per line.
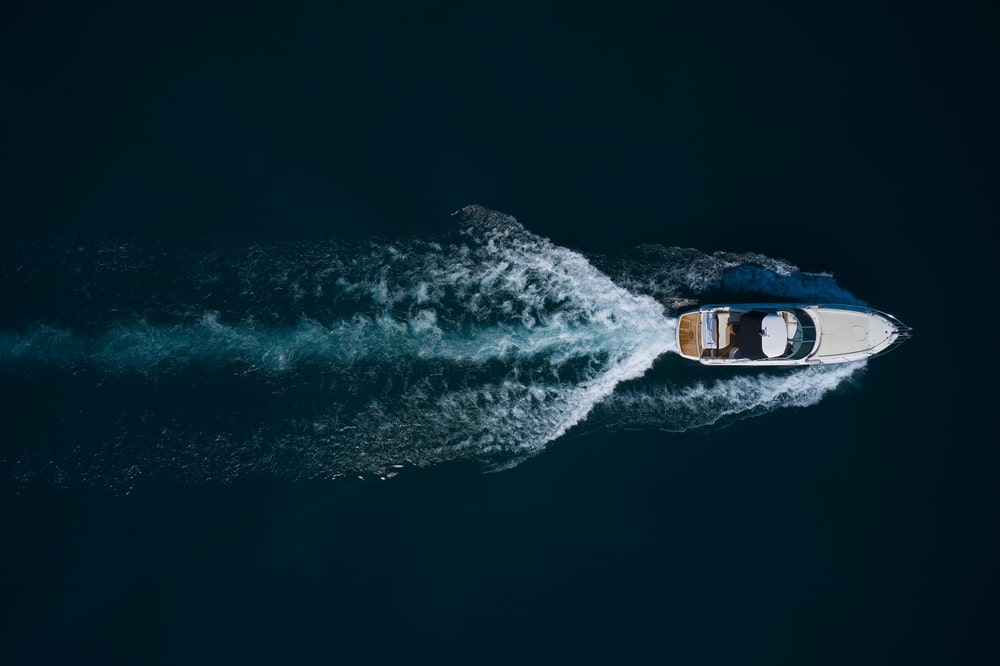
320 360
677 408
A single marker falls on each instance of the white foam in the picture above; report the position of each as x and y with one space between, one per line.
679 277
681 408
488 346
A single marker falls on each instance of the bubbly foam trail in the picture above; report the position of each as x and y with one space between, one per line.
147 348
321 360
683 276
681 408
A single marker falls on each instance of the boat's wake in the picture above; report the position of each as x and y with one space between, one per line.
319 361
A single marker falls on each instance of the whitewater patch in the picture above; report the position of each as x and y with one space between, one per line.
327 359
720 402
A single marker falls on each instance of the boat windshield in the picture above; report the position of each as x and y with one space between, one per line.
790 335
803 341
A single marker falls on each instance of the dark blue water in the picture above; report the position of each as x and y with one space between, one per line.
336 336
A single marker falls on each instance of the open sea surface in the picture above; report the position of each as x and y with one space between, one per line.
343 336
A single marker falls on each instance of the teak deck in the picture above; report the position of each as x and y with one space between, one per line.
690 334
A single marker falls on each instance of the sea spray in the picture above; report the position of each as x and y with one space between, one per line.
324 359
719 402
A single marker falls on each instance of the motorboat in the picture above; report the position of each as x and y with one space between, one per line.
772 334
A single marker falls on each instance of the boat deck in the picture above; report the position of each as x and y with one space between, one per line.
813 334
690 335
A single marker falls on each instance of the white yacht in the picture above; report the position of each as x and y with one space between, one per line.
786 334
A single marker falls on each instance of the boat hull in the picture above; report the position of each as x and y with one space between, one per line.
779 334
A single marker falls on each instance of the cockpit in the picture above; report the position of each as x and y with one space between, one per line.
758 334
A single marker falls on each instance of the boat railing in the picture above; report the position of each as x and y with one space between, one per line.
903 332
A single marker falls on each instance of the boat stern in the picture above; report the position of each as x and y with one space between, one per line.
689 335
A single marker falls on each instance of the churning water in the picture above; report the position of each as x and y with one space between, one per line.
334 358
